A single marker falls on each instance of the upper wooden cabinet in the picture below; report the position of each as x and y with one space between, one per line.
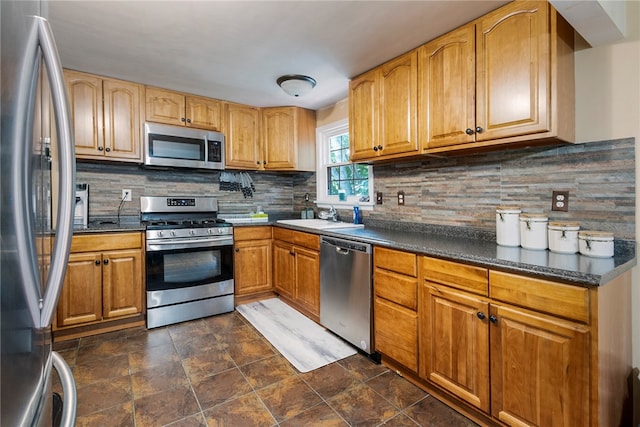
517 63
242 137
289 139
276 139
106 117
383 110
179 109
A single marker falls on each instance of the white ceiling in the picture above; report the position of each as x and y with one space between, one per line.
235 50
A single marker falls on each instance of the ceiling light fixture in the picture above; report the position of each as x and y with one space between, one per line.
296 84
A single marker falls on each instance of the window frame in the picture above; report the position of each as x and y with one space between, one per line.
323 199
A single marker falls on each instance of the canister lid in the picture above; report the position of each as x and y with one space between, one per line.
535 217
598 236
558 225
508 209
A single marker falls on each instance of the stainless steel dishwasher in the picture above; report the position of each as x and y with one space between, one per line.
345 290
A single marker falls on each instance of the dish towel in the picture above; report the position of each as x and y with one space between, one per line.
237 181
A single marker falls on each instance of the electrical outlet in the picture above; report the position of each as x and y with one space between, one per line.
560 201
400 198
126 195
379 198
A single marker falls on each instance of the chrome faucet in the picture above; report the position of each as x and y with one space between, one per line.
333 214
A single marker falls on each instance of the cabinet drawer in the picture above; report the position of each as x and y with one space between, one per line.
398 261
396 332
562 300
465 277
252 233
397 288
308 240
105 242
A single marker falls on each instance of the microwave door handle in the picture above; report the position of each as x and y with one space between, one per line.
66 170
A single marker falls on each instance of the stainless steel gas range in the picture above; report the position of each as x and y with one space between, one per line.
189 259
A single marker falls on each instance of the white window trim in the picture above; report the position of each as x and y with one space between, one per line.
324 200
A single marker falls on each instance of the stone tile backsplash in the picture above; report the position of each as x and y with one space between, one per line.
456 190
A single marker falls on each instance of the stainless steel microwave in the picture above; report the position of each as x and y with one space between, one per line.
182 147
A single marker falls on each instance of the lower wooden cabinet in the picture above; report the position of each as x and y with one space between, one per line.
539 369
516 350
104 282
252 260
454 349
395 316
296 269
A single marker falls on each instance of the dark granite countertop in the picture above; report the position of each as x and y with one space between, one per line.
478 247
462 244
111 225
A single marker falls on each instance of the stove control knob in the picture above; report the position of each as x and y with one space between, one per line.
192 232
159 233
173 233
210 231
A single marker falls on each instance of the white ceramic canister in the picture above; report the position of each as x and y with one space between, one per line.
563 237
597 244
507 231
533 231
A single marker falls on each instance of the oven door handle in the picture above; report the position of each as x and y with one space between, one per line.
193 243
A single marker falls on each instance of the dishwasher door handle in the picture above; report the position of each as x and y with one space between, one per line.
342 251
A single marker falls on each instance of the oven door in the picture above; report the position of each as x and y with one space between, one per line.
175 265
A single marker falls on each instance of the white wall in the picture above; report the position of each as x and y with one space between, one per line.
608 107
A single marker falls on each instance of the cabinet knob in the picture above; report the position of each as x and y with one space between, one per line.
182 119
493 319
379 147
100 148
107 149
292 253
97 262
105 262
237 250
188 120
375 148
264 162
478 129
480 315
257 162
469 131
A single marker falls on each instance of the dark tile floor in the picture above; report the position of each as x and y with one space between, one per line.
220 371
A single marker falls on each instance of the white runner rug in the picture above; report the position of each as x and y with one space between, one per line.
303 342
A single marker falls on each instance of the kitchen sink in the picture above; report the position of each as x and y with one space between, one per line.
320 224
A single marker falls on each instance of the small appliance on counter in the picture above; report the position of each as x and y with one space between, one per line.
81 215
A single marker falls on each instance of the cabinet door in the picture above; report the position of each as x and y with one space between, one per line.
513 65
164 106
283 268
242 129
447 89
122 125
398 97
279 138
252 266
81 296
204 113
539 369
396 332
122 283
455 343
85 98
363 117
307 279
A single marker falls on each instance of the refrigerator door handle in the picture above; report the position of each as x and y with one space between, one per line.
68 388
67 172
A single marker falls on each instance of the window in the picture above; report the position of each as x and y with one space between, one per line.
335 175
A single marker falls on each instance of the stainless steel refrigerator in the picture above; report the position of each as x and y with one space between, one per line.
34 251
